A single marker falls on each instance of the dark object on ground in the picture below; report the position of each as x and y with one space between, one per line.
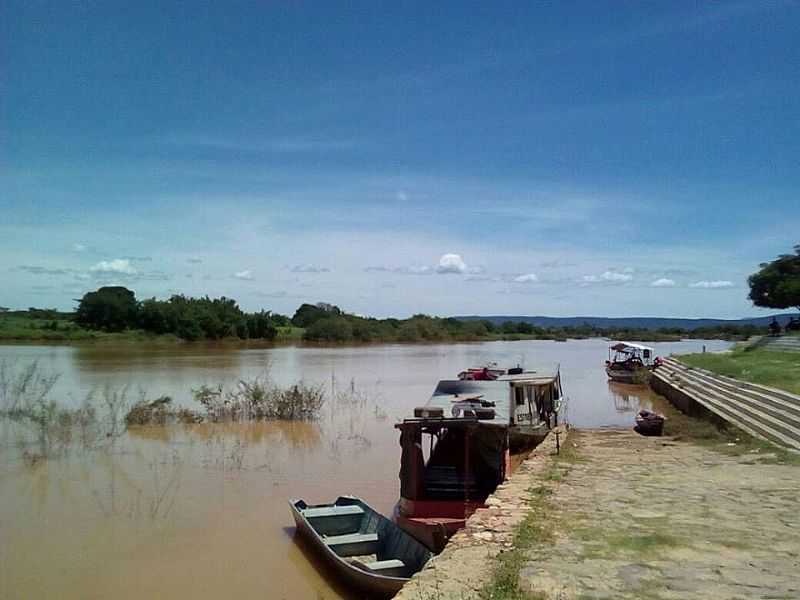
774 327
649 423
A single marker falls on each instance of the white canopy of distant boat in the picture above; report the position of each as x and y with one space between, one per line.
629 362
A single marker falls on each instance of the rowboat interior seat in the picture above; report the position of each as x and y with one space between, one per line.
392 567
353 544
335 520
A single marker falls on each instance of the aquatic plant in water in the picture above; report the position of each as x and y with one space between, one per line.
25 400
260 399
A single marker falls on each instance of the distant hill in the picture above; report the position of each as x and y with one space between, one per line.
630 322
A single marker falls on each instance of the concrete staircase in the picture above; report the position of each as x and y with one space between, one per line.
764 412
781 343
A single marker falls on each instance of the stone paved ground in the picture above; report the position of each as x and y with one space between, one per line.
639 517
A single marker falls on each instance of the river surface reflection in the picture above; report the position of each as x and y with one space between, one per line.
201 511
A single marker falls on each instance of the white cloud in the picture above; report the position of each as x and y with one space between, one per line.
245 275
309 269
412 270
451 263
417 270
616 277
610 277
78 248
711 285
663 282
527 278
118 266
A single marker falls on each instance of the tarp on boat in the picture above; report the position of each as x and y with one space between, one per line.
450 393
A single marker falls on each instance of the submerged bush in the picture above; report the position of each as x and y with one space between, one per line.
261 399
258 399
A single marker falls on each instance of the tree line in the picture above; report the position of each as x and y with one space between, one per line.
115 308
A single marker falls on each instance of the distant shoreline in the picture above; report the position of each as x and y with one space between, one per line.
343 330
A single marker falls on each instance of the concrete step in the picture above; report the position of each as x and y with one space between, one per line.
742 386
782 402
783 343
732 413
764 415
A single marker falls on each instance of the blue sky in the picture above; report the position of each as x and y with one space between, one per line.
575 158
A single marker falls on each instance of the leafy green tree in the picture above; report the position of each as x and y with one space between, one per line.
260 326
111 308
777 283
330 329
508 327
308 314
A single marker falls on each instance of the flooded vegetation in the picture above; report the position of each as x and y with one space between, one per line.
201 506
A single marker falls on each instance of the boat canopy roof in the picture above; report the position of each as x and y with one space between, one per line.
629 347
494 394
533 377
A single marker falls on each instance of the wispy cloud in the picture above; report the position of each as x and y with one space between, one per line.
527 278
138 258
194 260
309 269
405 270
612 277
711 285
118 266
245 275
37 270
663 282
279 145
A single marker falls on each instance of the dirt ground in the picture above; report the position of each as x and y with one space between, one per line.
636 517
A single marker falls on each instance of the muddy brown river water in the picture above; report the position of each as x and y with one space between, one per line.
201 511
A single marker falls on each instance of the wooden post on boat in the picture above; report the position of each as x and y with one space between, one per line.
467 431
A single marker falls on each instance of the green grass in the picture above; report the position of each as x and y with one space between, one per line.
775 369
290 334
536 528
23 328
504 584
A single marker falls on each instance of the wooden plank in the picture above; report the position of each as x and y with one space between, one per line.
353 544
392 567
332 511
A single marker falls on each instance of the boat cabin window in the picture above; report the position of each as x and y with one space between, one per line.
519 395
647 353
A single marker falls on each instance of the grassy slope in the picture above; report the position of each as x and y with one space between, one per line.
776 369
20 328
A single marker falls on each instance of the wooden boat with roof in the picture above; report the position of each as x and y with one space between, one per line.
472 427
362 546
630 363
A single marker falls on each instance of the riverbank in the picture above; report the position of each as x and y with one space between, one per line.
618 515
776 369
52 326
